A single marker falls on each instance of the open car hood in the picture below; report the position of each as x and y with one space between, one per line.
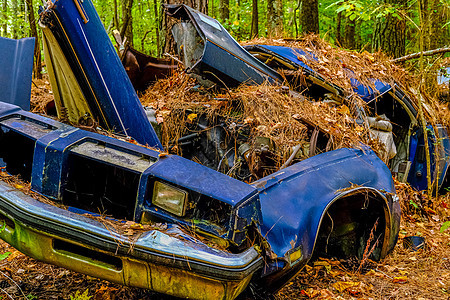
208 49
88 80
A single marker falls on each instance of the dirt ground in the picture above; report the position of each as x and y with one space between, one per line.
404 274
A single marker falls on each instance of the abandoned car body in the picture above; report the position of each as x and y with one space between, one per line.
390 114
400 122
238 233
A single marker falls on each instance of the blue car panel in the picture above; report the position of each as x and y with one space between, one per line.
17 62
222 59
82 37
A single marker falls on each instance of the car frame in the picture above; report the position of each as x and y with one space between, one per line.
221 234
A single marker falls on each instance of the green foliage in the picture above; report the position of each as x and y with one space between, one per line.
388 10
445 226
414 204
4 255
81 296
360 13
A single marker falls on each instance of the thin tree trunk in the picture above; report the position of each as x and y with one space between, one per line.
420 102
37 67
116 16
350 34
224 10
279 27
274 18
238 17
270 18
158 41
299 5
338 28
254 29
309 17
14 19
127 21
358 40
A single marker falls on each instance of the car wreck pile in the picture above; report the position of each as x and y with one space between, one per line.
258 163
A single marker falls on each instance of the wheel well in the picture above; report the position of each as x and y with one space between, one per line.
354 225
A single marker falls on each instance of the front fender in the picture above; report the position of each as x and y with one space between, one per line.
294 200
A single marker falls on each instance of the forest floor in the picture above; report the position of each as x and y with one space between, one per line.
403 274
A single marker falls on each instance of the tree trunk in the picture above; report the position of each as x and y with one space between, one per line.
390 32
238 17
200 5
224 10
167 22
37 66
254 32
358 39
309 16
127 21
338 28
270 18
158 41
350 34
14 19
298 7
116 16
274 18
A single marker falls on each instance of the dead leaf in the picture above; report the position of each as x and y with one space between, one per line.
137 226
400 279
310 292
191 117
341 286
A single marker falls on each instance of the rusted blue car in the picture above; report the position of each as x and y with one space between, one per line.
210 236
208 50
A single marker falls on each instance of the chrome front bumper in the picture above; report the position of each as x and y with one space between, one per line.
169 262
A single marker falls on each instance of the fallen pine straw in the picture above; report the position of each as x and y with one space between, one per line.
25 187
130 230
266 110
340 66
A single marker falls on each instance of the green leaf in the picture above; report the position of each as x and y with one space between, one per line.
334 4
445 226
352 17
342 8
4 255
413 204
